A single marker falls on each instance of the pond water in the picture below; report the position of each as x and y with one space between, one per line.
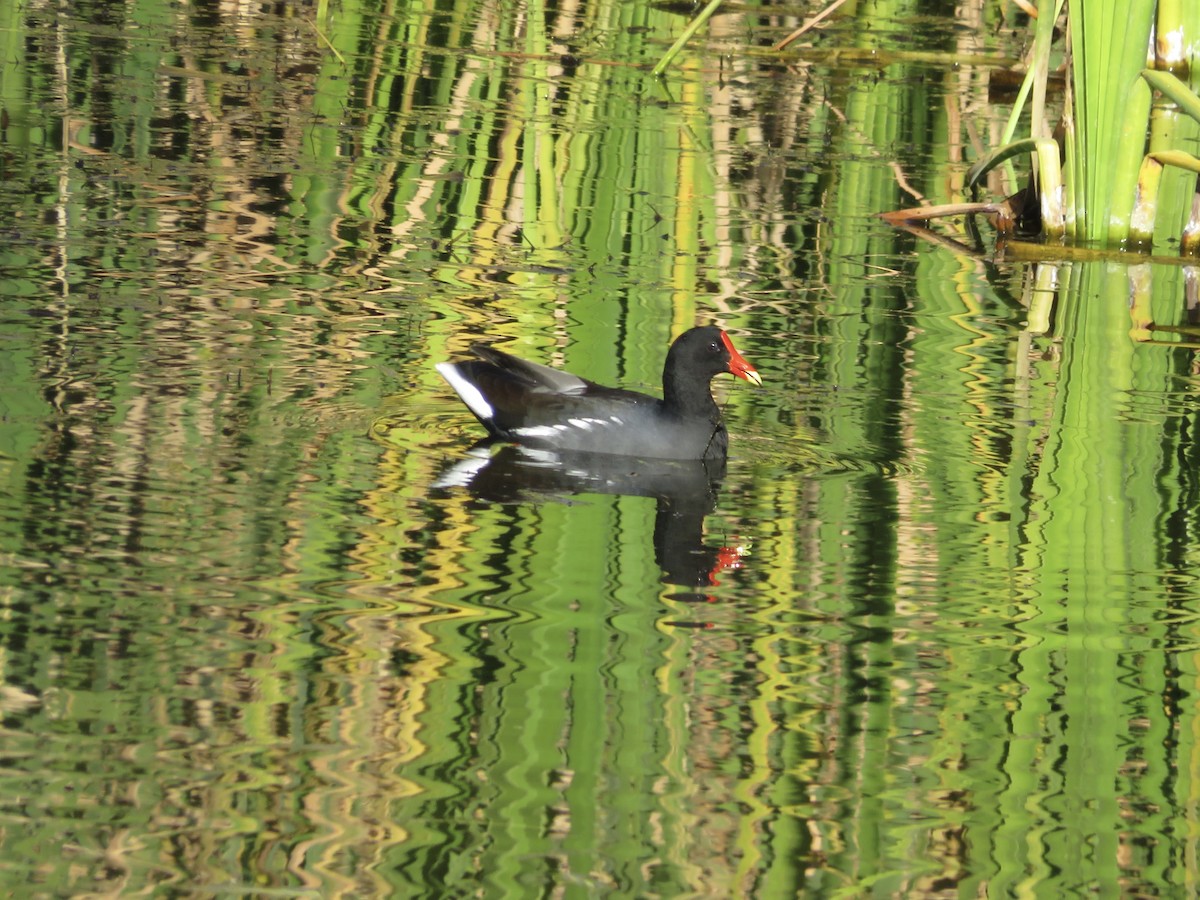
270 625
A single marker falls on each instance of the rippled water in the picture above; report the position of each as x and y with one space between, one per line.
269 623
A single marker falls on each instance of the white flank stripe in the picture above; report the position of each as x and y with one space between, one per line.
537 431
540 457
470 394
585 424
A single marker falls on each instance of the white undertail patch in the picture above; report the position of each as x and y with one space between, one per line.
462 473
470 394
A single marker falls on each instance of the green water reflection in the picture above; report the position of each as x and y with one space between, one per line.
932 633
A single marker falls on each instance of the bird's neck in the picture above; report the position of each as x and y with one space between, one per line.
689 398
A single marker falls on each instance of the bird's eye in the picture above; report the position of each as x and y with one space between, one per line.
714 347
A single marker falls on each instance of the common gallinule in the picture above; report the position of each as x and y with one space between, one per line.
537 406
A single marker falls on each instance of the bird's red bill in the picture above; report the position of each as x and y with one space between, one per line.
737 365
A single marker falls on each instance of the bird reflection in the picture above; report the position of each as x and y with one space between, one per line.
684 491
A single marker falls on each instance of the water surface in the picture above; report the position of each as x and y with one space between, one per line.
931 632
